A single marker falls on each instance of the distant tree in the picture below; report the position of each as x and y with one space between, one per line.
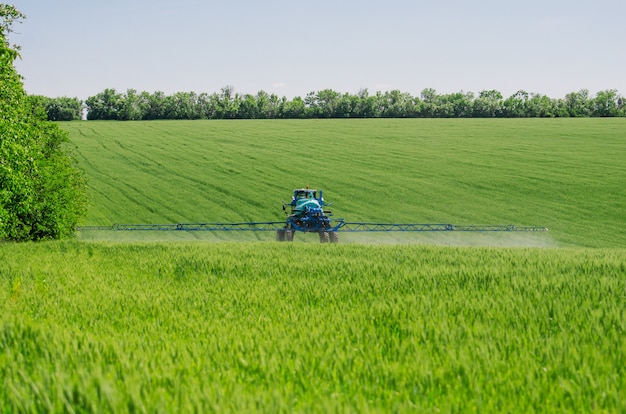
42 194
454 105
153 105
560 108
294 109
59 109
323 104
366 105
108 104
621 106
429 103
248 107
204 103
488 104
129 106
268 106
184 105
606 104
396 104
516 105
312 107
224 105
577 103
348 106
540 106
65 109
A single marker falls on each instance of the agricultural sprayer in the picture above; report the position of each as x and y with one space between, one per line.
307 213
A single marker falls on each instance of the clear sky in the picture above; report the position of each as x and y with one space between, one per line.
78 48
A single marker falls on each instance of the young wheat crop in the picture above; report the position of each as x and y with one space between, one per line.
268 327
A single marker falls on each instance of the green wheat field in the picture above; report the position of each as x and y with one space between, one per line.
220 322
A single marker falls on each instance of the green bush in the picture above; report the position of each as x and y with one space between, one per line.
42 194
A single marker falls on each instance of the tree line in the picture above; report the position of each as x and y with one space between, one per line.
226 104
59 109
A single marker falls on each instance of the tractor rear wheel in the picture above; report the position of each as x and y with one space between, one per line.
324 237
280 235
289 235
333 236
284 235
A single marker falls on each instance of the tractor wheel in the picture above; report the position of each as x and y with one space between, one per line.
333 236
280 235
324 237
289 235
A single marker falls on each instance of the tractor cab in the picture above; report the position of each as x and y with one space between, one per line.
305 202
304 193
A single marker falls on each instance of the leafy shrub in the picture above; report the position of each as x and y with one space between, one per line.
42 194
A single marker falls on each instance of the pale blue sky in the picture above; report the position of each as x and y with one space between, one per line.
78 48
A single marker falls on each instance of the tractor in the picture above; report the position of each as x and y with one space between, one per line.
306 213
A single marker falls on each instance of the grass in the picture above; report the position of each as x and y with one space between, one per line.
566 174
300 328
159 322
